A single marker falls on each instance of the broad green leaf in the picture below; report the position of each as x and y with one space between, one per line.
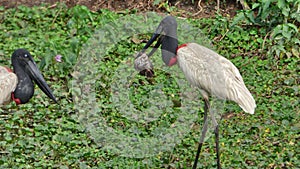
295 52
265 9
238 17
286 11
281 3
255 5
286 32
251 17
296 41
277 30
293 26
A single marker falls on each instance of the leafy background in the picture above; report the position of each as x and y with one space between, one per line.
261 39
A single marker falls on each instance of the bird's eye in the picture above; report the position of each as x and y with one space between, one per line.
25 55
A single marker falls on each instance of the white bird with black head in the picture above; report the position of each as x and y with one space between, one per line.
18 85
210 72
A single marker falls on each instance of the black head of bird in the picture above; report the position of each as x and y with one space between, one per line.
166 36
26 70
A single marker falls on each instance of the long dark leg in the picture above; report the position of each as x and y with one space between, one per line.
204 130
217 146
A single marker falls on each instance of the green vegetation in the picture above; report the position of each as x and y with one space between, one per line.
44 135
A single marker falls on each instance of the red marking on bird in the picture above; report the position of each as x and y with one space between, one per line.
181 46
8 69
172 61
16 100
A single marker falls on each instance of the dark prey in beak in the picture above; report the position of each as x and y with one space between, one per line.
26 70
166 36
143 64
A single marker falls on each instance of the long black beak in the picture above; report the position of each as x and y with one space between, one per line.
166 36
152 39
35 74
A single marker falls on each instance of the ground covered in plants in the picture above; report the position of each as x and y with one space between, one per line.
76 132
190 8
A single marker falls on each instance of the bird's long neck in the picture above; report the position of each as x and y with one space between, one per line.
169 49
25 87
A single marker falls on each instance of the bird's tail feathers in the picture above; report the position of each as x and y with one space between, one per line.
246 101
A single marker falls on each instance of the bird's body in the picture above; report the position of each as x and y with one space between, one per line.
8 84
18 85
214 75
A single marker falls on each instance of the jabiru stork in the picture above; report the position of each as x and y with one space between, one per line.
18 85
210 72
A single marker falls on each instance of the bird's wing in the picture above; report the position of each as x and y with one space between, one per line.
8 83
236 88
215 75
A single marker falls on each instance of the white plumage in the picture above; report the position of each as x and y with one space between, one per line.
8 83
214 75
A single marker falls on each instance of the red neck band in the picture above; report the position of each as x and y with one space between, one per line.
8 69
181 46
17 101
